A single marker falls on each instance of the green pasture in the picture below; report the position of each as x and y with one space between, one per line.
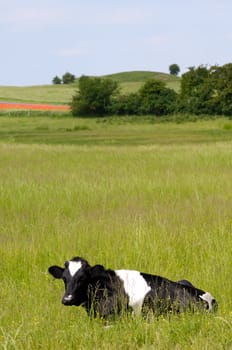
62 94
133 81
59 94
152 197
58 128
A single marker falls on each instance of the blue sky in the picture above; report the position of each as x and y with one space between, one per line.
43 38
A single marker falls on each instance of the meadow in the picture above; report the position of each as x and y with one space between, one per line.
62 94
138 195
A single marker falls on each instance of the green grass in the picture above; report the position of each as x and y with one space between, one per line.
133 81
130 87
140 76
40 128
161 204
62 94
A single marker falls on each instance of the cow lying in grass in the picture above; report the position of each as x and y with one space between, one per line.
104 292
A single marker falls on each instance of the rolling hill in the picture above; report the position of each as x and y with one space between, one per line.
62 94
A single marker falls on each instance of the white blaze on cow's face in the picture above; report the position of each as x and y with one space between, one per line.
74 277
74 266
209 299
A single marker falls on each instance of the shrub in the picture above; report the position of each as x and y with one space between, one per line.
68 78
126 104
56 80
157 99
94 96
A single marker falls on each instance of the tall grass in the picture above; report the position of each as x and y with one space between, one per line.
163 209
54 128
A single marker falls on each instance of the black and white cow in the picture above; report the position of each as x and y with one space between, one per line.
104 292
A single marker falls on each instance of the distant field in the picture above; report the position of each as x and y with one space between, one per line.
62 94
137 195
29 127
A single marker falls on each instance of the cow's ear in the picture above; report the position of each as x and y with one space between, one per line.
56 271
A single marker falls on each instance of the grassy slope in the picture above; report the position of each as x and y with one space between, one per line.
60 94
129 82
160 204
132 81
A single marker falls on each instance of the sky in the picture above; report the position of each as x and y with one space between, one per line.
43 38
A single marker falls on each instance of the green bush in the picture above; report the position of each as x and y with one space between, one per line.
204 91
207 90
68 78
94 96
56 80
126 104
157 99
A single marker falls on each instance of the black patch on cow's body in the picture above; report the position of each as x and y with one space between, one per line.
105 293
167 296
98 290
185 283
102 293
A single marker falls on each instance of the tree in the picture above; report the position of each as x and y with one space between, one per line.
174 69
68 78
222 87
156 98
94 96
197 91
56 80
126 104
207 90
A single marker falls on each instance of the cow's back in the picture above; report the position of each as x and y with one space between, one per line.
167 296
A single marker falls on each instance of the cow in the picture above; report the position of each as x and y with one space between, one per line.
105 292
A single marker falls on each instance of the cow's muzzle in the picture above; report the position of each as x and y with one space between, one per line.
67 299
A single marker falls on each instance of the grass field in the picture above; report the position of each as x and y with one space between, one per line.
35 127
152 197
132 81
62 94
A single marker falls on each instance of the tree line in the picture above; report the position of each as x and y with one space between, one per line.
203 91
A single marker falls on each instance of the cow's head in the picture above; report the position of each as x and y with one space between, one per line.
75 276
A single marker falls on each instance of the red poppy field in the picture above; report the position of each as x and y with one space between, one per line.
33 106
